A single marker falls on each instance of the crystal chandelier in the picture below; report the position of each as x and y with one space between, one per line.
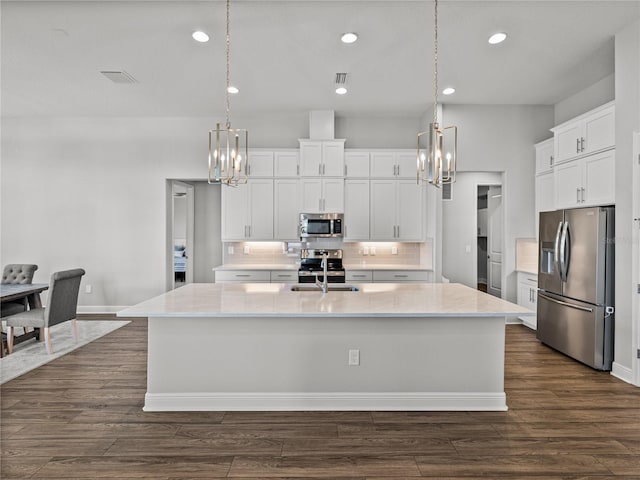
437 147
228 147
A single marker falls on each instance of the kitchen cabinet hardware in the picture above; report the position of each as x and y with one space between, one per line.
345 170
533 279
577 145
551 161
401 276
242 275
578 195
298 169
582 144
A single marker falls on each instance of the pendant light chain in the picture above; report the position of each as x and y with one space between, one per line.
435 63
228 64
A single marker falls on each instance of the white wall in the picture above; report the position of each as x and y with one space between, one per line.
500 138
378 132
91 192
627 48
459 218
591 97
207 242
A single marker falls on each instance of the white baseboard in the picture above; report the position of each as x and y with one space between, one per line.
99 309
623 373
422 401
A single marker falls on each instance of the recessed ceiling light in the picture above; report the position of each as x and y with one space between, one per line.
497 38
199 36
448 91
341 90
349 37
232 89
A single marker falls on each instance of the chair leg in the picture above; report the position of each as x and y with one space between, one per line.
10 339
47 340
74 331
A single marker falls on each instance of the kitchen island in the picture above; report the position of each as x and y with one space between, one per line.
260 346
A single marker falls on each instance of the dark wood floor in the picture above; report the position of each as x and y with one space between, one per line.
80 417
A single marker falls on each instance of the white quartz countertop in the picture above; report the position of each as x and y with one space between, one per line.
277 300
530 271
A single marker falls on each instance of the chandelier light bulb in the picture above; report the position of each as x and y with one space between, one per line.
349 37
341 91
448 91
497 38
233 90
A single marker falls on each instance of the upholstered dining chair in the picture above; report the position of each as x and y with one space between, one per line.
16 273
62 303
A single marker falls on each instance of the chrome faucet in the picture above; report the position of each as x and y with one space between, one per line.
323 264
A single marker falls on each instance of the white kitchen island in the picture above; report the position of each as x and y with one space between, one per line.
263 347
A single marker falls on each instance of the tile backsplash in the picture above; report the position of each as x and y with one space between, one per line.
370 253
527 254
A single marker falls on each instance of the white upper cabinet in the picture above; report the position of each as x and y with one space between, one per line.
356 164
393 164
286 208
286 163
322 158
247 211
544 156
260 163
322 195
396 208
356 210
589 133
587 181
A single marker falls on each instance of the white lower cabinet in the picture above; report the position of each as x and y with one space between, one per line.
396 210
247 211
243 276
284 276
585 182
399 276
528 296
359 276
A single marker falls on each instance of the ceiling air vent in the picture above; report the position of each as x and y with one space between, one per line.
447 191
341 78
119 76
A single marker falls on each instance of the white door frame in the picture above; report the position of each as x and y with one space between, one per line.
190 197
635 304
504 231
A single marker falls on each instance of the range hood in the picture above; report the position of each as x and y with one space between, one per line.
322 125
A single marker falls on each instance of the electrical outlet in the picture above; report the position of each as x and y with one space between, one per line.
354 357
88 289
246 250
394 250
467 248
373 250
365 251
230 250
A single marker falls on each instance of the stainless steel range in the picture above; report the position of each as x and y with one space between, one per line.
311 267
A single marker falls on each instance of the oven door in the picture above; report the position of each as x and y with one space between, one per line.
310 276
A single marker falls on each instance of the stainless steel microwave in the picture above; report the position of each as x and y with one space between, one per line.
323 225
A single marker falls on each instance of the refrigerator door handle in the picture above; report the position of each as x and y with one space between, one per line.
566 304
556 250
564 248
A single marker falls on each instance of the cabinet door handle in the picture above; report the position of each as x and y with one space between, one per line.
242 275
297 169
577 145
551 161
400 276
582 194
319 169
324 168
320 204
398 232
345 170
582 144
577 195
359 276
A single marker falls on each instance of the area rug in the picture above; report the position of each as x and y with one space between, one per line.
32 354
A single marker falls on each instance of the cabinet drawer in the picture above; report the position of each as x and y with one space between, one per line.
243 276
359 276
401 276
284 276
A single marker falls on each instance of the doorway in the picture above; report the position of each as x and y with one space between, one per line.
635 307
489 239
181 235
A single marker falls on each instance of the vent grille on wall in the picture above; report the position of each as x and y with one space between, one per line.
341 78
118 76
447 191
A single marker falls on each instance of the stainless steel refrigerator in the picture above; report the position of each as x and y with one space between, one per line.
576 283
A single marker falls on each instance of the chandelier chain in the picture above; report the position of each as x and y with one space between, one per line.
435 63
228 43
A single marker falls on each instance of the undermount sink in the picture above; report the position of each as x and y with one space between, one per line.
333 287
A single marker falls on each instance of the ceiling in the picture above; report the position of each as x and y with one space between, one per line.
285 54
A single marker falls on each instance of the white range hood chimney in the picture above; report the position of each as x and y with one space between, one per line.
321 125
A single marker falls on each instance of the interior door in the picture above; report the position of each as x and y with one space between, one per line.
494 241
636 229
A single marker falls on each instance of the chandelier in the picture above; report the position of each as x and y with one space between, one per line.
228 147
437 147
